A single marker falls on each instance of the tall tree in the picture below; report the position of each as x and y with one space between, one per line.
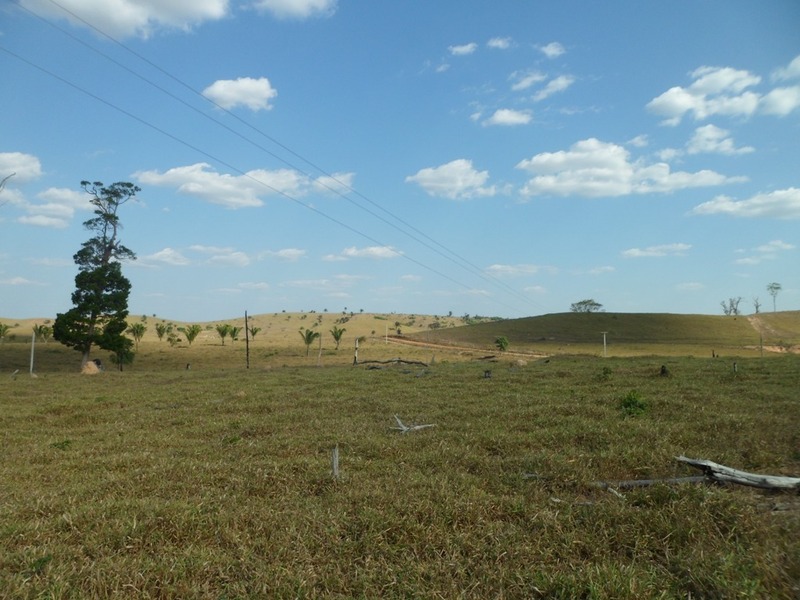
100 300
773 289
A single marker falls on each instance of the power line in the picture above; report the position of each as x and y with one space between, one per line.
232 167
440 249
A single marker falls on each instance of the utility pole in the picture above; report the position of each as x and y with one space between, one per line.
604 343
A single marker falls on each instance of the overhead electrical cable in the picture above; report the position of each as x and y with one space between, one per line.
233 168
442 250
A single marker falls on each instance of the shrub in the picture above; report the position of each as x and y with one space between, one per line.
632 404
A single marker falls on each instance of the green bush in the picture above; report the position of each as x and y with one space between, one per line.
632 404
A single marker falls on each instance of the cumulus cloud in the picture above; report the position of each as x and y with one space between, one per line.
507 116
554 86
167 256
780 204
657 251
726 91
790 71
553 50
25 167
57 210
593 168
254 94
463 49
713 139
231 191
456 180
297 9
127 18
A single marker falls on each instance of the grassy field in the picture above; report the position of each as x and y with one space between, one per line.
216 482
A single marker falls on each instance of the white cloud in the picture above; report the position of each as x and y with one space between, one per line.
222 256
337 183
640 141
255 94
19 281
126 18
657 251
714 91
507 116
26 167
593 168
781 101
58 210
499 43
780 204
791 71
554 86
726 91
456 180
231 191
463 50
167 256
287 254
522 80
775 246
375 252
553 50
712 139
768 251
297 9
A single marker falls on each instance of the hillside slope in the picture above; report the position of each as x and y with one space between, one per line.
557 331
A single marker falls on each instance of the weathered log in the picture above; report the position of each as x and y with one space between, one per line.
721 473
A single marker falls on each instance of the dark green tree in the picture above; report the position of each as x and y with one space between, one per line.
100 300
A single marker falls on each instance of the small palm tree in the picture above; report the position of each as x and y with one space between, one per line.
337 333
137 330
253 331
234 332
191 332
223 330
308 338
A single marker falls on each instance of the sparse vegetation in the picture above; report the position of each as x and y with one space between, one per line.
224 475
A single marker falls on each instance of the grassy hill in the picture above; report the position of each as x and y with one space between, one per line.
629 333
278 342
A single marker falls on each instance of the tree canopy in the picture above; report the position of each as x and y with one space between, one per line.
586 306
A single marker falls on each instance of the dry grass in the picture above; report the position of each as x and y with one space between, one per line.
216 482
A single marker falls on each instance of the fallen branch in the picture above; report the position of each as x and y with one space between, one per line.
721 473
395 361
407 428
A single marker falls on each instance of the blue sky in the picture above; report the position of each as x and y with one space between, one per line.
498 158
